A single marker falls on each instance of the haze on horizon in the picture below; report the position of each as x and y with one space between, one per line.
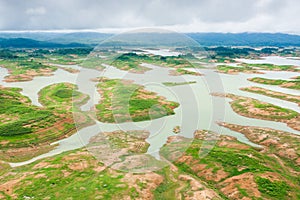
183 16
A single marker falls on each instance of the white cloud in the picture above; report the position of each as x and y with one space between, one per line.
36 11
188 15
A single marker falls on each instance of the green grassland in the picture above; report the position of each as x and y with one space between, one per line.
63 59
230 166
79 175
93 63
125 101
132 62
24 70
60 179
64 98
231 170
218 59
64 56
22 124
23 65
28 130
254 68
181 71
292 84
272 67
254 108
232 69
274 94
170 84
23 62
54 58
61 96
16 106
284 145
244 106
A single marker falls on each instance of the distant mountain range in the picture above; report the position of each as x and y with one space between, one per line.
30 43
51 38
82 39
246 39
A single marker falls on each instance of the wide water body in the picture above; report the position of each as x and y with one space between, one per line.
198 109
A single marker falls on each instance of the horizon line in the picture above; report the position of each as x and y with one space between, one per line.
116 31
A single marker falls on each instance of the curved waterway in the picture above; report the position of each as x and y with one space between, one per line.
198 109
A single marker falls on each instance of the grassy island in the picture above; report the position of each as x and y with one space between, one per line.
170 84
25 70
132 62
124 101
292 84
274 94
254 108
254 68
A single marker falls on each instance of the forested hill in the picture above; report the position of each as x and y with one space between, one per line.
81 39
246 39
30 43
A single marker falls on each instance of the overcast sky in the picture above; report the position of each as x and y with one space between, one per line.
178 15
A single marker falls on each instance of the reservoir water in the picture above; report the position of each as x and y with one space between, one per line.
198 109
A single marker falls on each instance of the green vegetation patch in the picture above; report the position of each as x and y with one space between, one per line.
254 108
124 101
23 69
253 68
232 163
182 71
133 61
292 84
19 117
62 96
64 56
93 62
274 94
272 67
274 189
233 69
166 190
30 129
71 175
64 93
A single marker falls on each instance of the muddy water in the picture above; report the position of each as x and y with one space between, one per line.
198 110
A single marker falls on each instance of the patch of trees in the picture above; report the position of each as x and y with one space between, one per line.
7 54
230 52
76 51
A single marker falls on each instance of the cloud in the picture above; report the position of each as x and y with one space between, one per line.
36 11
189 15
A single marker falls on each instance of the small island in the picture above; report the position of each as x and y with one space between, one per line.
123 101
291 84
254 108
170 84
